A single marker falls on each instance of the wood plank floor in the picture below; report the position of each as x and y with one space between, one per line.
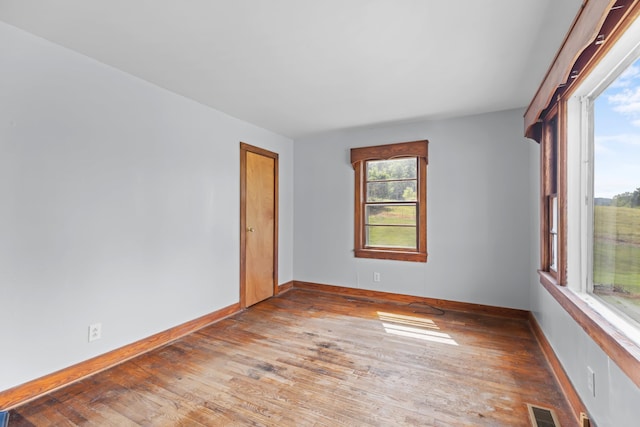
315 359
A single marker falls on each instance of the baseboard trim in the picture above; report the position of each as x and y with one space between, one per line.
440 303
33 389
558 371
285 287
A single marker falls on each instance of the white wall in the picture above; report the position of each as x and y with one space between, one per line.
119 203
615 403
478 211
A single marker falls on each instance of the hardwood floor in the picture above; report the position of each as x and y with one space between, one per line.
315 359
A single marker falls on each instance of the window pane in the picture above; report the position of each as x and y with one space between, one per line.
390 236
391 214
405 168
392 191
553 232
616 189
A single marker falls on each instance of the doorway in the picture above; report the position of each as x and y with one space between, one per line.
258 224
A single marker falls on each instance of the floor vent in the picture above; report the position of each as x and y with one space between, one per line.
542 417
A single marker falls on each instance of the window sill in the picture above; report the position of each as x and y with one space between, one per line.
617 345
393 255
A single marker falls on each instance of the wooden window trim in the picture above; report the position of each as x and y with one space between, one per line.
359 156
596 29
608 18
553 183
624 352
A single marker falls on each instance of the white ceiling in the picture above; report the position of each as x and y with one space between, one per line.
299 67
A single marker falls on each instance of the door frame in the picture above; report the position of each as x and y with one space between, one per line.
244 148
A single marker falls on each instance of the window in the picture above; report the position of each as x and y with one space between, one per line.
586 115
612 153
551 252
390 201
615 233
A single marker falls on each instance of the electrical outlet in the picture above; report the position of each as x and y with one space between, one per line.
376 277
95 331
591 381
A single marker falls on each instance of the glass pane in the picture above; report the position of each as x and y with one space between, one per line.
391 214
405 168
553 214
392 191
391 237
554 252
616 189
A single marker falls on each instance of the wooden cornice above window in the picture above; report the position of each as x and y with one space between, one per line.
390 151
597 23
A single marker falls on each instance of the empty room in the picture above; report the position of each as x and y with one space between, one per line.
320 213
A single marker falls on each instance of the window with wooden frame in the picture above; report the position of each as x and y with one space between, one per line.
391 201
586 233
552 190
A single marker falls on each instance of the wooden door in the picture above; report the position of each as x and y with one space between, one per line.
258 224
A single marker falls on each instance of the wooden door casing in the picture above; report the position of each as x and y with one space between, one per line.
258 224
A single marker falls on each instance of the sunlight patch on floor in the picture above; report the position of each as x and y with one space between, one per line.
414 327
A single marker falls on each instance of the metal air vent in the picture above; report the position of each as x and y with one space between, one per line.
542 417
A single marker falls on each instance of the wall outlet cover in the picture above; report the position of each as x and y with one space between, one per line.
95 331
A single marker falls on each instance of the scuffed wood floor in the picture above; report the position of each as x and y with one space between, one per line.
315 359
